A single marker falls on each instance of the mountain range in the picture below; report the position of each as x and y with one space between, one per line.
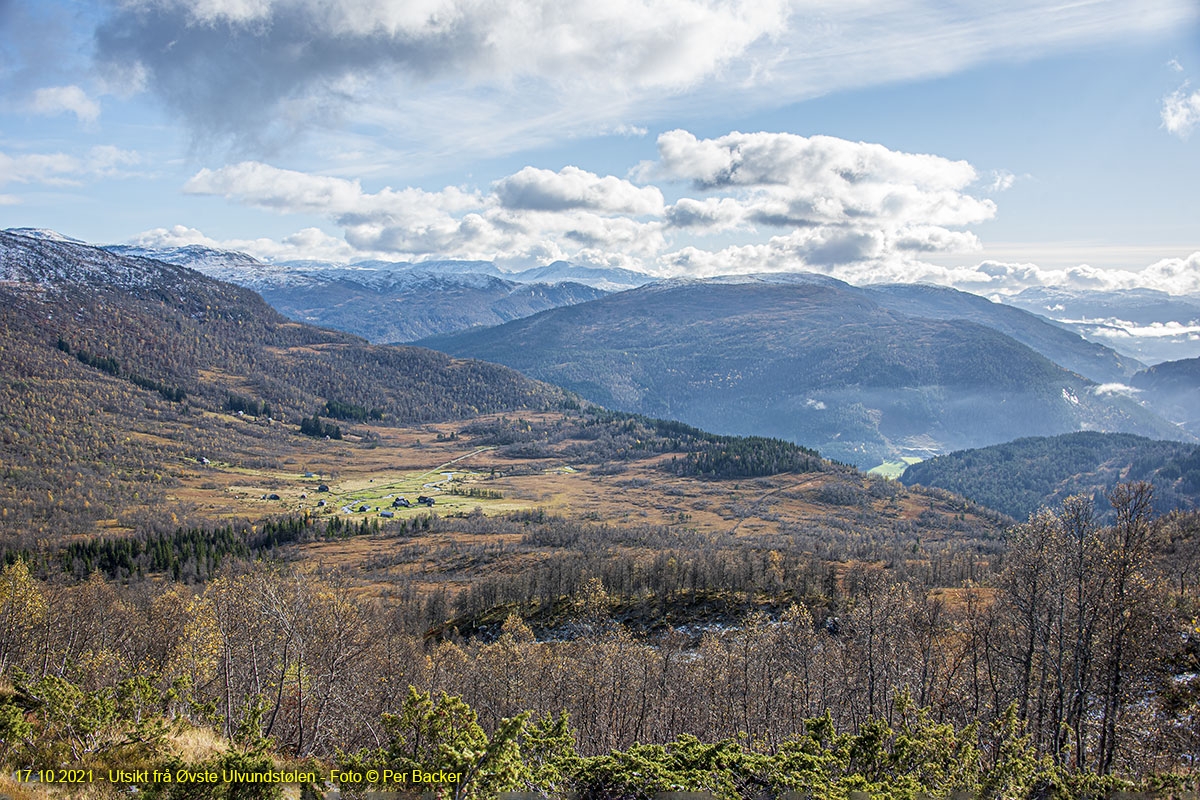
814 360
1146 324
865 373
387 301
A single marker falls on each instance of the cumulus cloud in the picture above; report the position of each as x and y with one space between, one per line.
1171 275
542 190
827 202
775 202
65 100
1181 111
529 216
791 180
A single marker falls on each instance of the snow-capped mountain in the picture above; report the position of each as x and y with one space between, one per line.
47 261
245 270
384 301
44 233
610 279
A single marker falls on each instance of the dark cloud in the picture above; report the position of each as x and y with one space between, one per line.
262 81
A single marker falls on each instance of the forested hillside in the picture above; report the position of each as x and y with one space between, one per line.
1021 476
810 360
1065 348
175 326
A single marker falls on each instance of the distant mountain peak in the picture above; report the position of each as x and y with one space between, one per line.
45 234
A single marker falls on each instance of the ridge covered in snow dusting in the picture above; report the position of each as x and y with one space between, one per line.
55 262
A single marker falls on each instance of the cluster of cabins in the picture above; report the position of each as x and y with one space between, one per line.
399 502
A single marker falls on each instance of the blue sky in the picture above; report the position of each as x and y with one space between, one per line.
966 143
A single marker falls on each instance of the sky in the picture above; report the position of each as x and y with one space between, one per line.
990 146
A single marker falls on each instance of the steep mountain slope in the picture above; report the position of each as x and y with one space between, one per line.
1146 324
1021 476
1063 347
809 360
1173 389
173 325
114 371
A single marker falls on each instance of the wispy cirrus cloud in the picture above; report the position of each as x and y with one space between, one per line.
537 70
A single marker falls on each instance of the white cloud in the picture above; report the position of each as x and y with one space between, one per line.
1119 328
630 130
829 202
52 168
1114 388
536 189
293 192
1171 275
798 181
62 169
1002 181
377 57
1181 111
65 99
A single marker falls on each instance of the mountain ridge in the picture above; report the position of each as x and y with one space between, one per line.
808 359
